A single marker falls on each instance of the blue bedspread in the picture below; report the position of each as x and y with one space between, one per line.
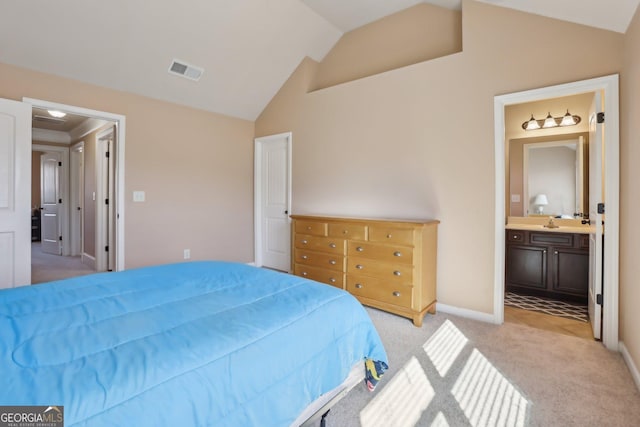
193 344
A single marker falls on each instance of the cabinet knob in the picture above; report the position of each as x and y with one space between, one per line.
396 273
332 280
332 262
359 249
555 252
304 242
345 231
332 245
359 266
308 227
304 273
516 237
388 236
397 253
304 257
396 294
358 286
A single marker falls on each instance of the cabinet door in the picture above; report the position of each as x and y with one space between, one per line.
526 266
570 271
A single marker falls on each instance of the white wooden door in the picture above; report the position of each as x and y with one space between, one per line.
50 164
273 187
15 193
596 196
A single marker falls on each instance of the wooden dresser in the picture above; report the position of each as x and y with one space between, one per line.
387 264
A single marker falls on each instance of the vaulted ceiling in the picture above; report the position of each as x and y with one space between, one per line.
247 48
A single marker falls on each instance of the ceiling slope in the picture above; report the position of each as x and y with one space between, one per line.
248 48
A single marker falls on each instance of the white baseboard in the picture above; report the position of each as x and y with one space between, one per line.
463 312
89 260
630 364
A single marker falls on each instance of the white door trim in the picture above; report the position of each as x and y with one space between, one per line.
608 84
257 202
76 189
63 211
120 121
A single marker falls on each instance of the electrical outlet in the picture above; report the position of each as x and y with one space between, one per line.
187 253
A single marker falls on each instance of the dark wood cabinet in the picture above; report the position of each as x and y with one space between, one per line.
548 264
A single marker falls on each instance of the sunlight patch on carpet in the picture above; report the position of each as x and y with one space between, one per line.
444 347
487 397
402 401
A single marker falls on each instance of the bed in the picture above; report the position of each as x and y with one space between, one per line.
190 344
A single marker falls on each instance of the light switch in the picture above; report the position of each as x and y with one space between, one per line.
515 198
138 196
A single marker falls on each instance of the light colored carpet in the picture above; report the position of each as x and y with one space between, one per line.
47 267
458 372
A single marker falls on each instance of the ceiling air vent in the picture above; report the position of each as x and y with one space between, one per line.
184 69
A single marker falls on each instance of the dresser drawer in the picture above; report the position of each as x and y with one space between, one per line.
400 236
380 290
348 231
319 259
396 273
334 278
387 253
313 228
322 244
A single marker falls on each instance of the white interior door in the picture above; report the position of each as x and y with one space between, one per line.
596 196
50 164
105 202
15 194
273 190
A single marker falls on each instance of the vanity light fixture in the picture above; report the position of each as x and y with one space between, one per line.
57 114
551 122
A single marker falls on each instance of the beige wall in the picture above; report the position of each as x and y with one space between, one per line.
419 141
196 168
413 35
630 193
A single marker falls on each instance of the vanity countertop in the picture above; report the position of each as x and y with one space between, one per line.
586 229
538 224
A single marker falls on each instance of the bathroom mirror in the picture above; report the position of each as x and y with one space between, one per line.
549 176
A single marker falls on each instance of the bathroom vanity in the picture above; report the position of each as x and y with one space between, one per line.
548 262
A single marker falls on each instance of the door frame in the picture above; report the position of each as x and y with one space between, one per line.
120 123
76 189
609 85
257 188
63 211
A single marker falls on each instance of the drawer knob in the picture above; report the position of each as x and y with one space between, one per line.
304 273
304 257
359 249
332 262
388 236
516 237
304 242
332 245
396 294
358 286
308 227
555 252
359 266
396 273
332 280
397 253
345 231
